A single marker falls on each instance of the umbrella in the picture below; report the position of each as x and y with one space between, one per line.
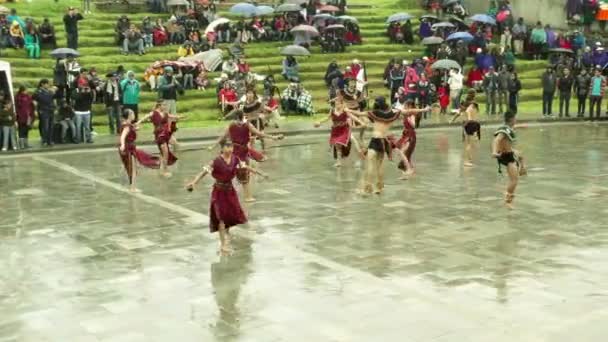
64 53
264 10
483 18
243 9
174 64
432 41
328 8
178 3
466 36
445 64
322 16
442 24
399 17
348 18
335 27
305 29
561 50
219 21
294 50
288 8
430 17
297 2
458 21
4 10
447 3
210 59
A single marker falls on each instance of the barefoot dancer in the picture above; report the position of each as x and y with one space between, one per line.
341 137
406 145
129 152
254 111
224 210
353 100
163 132
470 127
240 132
505 154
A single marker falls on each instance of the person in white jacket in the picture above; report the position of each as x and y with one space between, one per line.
455 82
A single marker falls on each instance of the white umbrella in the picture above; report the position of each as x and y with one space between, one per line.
211 59
212 25
305 29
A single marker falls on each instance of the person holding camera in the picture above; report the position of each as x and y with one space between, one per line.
168 89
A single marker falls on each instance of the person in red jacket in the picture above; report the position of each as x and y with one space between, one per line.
24 107
474 78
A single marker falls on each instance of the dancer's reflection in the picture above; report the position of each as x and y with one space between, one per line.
228 276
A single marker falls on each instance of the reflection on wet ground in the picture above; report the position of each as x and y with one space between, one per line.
435 258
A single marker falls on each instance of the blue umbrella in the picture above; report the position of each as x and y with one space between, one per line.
483 18
466 36
243 9
399 17
264 10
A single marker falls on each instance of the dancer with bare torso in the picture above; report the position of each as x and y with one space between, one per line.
505 154
471 128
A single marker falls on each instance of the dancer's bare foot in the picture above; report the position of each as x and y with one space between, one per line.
225 250
523 171
166 174
404 176
338 164
134 190
468 164
250 199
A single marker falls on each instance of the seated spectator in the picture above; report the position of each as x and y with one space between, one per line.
257 27
133 42
122 26
151 76
304 101
47 34
408 34
289 98
223 33
227 98
290 69
177 33
187 75
186 49
16 37
160 36
230 68
65 115
281 28
243 66
475 78
352 35
32 44
202 79
147 32
12 17
191 24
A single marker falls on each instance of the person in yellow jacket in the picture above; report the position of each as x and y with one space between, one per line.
185 50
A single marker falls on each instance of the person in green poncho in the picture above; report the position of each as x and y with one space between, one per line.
505 154
32 44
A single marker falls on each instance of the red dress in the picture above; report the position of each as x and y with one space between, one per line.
225 206
407 136
163 130
340 134
131 150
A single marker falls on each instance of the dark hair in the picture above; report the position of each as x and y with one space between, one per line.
43 82
509 115
380 103
22 88
225 142
239 114
126 112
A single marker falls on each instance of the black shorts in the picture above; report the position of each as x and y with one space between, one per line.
472 128
507 158
380 145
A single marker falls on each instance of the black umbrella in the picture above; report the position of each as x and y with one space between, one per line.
64 53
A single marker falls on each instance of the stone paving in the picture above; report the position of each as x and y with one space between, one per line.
435 258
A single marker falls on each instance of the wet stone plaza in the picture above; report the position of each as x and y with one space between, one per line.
435 258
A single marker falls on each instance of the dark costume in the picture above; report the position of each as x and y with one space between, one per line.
340 134
240 135
225 206
382 145
471 127
252 110
131 150
506 158
163 130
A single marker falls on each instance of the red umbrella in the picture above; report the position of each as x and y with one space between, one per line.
328 8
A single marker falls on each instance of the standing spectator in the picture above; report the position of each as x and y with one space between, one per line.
168 87
475 78
47 34
520 33
490 86
112 102
24 107
455 81
83 102
396 77
503 89
506 39
45 104
549 82
7 122
70 22
581 87
410 82
86 4
424 89
66 121
130 93
514 88
564 85
538 39
596 91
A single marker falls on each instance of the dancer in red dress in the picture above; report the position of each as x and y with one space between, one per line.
224 210
341 131
240 132
164 127
406 145
129 152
